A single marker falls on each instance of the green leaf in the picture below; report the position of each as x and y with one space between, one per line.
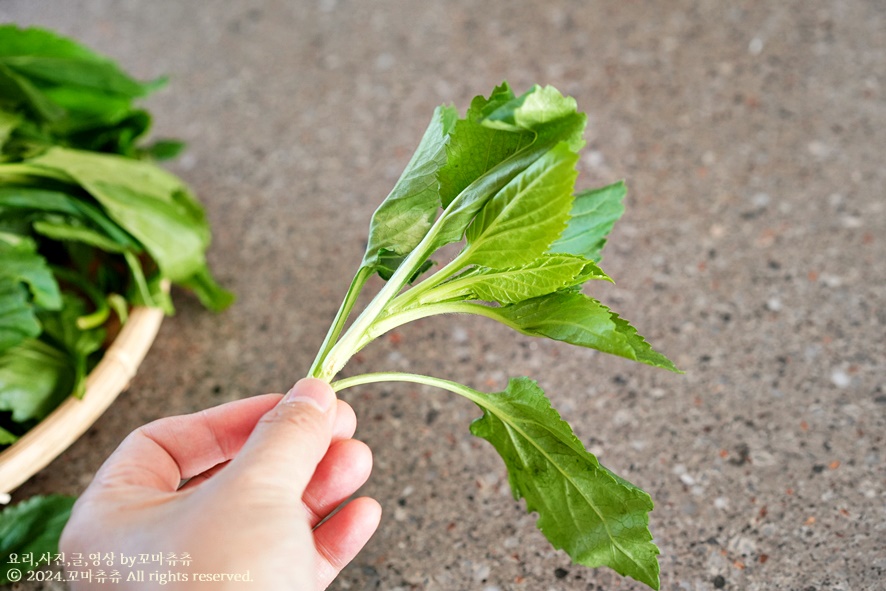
32 526
474 148
54 59
47 200
34 379
519 224
8 122
545 275
6 437
149 203
164 149
389 262
71 230
579 320
18 90
210 293
63 329
593 214
17 318
23 264
406 215
598 518
550 117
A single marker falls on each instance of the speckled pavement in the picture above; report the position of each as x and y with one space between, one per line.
752 252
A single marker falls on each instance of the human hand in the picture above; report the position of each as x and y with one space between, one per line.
262 474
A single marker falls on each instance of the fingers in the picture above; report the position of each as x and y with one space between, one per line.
163 453
342 536
287 443
345 421
343 470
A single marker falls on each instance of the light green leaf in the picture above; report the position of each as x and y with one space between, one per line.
17 318
579 320
474 148
34 379
519 224
542 276
405 216
7 437
563 124
542 110
32 526
151 204
8 122
593 214
598 518
22 264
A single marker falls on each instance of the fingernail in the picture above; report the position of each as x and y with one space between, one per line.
311 391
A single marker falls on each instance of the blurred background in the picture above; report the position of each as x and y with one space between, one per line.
751 252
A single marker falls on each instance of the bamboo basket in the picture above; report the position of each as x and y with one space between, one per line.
55 433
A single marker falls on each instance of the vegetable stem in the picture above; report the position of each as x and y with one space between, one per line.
341 318
394 376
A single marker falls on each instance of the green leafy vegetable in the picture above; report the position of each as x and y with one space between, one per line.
32 526
88 226
500 181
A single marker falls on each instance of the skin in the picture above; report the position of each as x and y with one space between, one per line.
261 475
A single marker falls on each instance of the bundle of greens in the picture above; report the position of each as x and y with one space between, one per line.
500 182
89 226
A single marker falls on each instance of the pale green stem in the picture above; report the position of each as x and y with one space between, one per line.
387 323
411 297
341 317
393 376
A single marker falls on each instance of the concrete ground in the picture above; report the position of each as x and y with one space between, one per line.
752 253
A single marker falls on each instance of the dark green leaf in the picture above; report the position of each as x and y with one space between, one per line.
54 59
64 330
593 214
39 199
34 379
18 90
598 518
164 149
32 526
17 318
71 230
405 216
579 320
389 262
210 293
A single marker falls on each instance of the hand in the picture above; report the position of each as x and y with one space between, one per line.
261 475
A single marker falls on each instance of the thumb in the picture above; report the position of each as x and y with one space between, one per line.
289 441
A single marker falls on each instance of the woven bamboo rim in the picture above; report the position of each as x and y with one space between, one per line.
55 433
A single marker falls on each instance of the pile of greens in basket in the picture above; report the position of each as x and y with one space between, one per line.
88 225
